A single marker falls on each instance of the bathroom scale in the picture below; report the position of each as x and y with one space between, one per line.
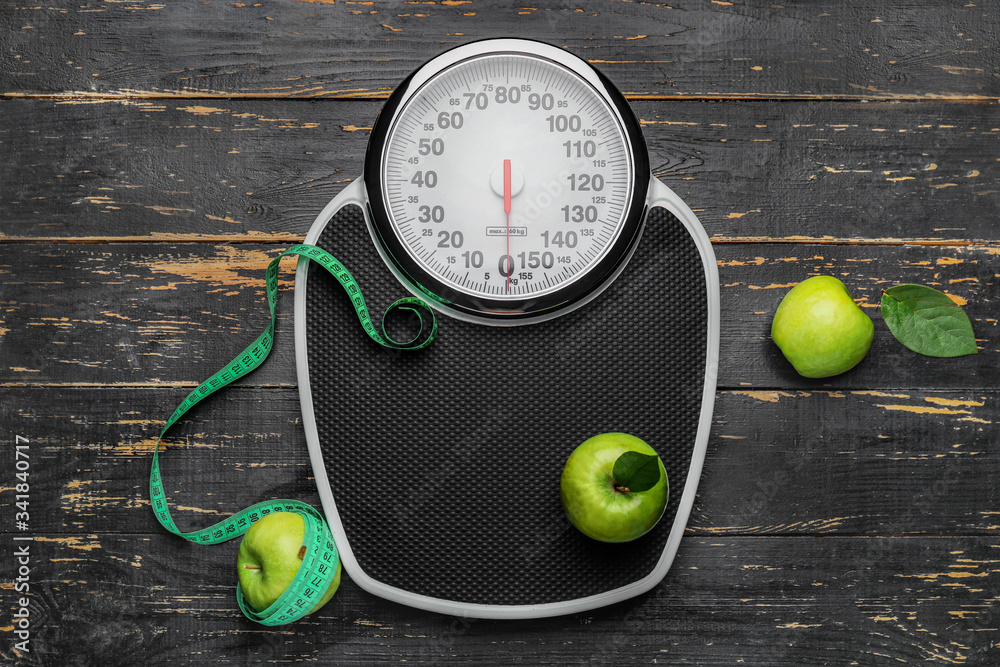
507 185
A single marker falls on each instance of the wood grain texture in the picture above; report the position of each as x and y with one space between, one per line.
158 155
778 462
698 49
123 599
169 170
114 314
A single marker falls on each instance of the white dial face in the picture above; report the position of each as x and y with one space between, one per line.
507 176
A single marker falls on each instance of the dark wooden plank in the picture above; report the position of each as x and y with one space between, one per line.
766 601
262 170
843 521
752 288
875 462
177 170
778 462
919 49
91 453
153 314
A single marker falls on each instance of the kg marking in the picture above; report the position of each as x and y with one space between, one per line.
22 553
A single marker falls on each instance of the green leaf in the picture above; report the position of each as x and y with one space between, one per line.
636 472
927 321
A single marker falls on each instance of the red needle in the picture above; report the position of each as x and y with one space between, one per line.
506 210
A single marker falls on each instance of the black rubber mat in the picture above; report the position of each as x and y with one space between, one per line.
444 463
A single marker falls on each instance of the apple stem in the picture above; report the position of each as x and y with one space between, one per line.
622 489
252 567
302 552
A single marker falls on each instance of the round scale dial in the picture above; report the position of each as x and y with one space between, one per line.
506 181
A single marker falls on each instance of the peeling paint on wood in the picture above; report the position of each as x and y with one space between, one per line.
215 188
158 166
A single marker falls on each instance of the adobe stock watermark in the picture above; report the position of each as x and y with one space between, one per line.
268 652
796 457
434 485
444 643
21 618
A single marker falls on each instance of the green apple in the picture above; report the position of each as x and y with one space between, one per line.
603 507
820 329
270 555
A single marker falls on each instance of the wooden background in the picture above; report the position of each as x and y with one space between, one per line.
156 155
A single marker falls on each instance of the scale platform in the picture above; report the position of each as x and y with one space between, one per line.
439 469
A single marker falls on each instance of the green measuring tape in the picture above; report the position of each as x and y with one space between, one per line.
321 558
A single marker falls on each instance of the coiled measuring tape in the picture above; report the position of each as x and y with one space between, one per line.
321 559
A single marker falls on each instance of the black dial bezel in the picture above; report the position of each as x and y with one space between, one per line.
475 307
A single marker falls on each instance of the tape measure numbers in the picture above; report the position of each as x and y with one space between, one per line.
321 558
